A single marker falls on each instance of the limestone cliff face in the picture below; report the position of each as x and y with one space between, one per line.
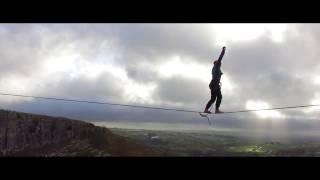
22 131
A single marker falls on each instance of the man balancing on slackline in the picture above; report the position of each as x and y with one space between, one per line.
215 84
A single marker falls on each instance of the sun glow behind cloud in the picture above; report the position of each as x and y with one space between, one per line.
314 101
254 104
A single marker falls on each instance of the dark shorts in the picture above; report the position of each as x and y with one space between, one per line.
214 86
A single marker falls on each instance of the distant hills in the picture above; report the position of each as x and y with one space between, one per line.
24 134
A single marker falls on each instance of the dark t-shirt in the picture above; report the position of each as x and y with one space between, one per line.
216 75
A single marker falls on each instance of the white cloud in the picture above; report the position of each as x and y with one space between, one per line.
316 80
182 67
228 33
139 93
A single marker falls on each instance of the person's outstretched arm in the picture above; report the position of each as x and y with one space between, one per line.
222 54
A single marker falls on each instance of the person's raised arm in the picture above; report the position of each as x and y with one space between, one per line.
222 53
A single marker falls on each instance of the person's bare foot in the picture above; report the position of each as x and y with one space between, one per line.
218 111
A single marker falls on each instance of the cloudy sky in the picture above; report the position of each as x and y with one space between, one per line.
164 65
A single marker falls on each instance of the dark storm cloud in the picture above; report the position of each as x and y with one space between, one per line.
180 90
21 49
152 41
104 87
141 73
95 113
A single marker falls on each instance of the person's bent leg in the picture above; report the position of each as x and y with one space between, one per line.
211 101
